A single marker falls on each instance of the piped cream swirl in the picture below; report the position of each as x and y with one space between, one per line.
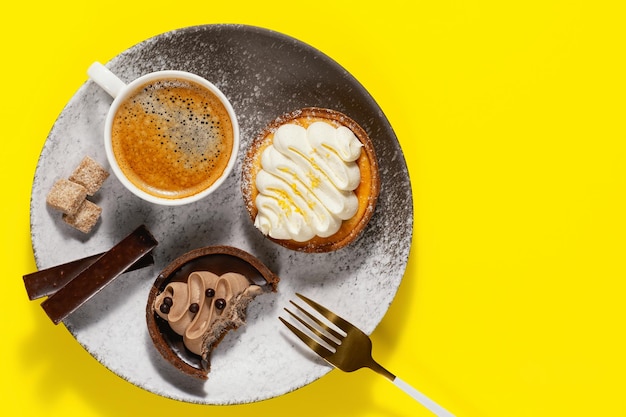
195 325
307 181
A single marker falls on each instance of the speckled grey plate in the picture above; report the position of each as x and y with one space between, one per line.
264 74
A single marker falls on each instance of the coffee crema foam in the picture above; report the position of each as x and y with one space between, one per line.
172 138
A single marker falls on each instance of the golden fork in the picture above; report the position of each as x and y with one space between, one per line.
349 351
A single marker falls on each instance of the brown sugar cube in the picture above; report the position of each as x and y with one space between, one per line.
90 175
66 196
85 218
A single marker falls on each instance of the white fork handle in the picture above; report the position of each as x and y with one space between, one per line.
422 399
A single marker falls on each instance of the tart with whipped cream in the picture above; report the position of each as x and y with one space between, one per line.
310 180
198 299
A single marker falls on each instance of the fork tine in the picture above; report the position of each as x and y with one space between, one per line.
332 317
313 330
317 321
312 344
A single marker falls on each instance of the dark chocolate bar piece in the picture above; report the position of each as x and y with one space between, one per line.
100 273
48 281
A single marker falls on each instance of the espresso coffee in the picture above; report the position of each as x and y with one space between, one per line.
172 138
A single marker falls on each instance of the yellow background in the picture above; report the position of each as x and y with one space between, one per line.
511 117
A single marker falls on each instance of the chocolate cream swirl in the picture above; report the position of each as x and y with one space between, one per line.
205 306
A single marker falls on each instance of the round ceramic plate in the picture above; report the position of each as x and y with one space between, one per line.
264 74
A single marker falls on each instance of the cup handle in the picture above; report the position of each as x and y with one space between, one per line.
105 79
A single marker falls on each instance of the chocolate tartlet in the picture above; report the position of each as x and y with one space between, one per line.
310 180
226 271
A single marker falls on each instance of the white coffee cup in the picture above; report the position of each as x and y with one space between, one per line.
121 92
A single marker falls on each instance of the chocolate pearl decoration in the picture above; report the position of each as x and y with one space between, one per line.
210 292
165 309
220 304
194 308
168 301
